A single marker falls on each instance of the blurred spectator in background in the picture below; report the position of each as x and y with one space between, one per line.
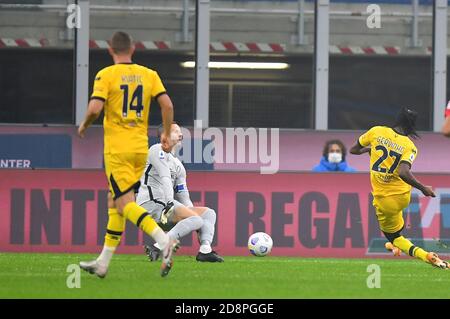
333 159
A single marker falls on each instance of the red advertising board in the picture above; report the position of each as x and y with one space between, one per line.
306 214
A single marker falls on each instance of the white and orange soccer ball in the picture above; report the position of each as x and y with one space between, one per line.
260 244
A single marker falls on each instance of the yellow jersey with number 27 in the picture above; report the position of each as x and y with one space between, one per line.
388 149
127 90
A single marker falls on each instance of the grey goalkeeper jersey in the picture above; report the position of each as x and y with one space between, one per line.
164 179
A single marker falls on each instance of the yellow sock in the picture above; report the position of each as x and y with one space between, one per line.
115 228
140 217
408 248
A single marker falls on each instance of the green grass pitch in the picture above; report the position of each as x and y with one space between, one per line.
132 276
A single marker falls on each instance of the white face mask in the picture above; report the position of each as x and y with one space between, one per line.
334 157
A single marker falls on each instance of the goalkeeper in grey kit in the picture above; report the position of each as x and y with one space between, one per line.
164 194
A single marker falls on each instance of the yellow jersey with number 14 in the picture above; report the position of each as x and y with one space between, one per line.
388 149
127 90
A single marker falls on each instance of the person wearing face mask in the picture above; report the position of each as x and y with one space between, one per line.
333 159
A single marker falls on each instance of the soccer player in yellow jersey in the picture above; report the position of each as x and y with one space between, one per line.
124 90
392 154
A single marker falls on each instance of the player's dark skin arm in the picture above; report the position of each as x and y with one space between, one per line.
404 171
95 107
358 149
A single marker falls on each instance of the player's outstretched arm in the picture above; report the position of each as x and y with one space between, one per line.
404 171
165 103
358 149
95 107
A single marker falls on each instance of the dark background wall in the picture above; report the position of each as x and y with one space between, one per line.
36 86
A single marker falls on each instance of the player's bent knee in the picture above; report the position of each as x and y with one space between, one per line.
110 201
210 214
392 236
123 200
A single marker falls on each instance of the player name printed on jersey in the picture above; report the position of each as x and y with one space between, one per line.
132 79
381 140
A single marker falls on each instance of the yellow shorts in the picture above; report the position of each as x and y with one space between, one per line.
389 210
124 170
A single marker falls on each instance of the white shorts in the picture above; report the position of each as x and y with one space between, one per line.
155 210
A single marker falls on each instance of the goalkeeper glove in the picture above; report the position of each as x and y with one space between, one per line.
167 213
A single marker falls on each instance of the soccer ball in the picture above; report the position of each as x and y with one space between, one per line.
260 244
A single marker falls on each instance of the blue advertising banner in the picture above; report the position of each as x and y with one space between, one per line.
35 151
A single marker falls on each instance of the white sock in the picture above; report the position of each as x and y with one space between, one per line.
185 226
106 255
161 238
209 223
205 249
157 246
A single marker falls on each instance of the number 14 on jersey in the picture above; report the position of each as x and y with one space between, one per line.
135 103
